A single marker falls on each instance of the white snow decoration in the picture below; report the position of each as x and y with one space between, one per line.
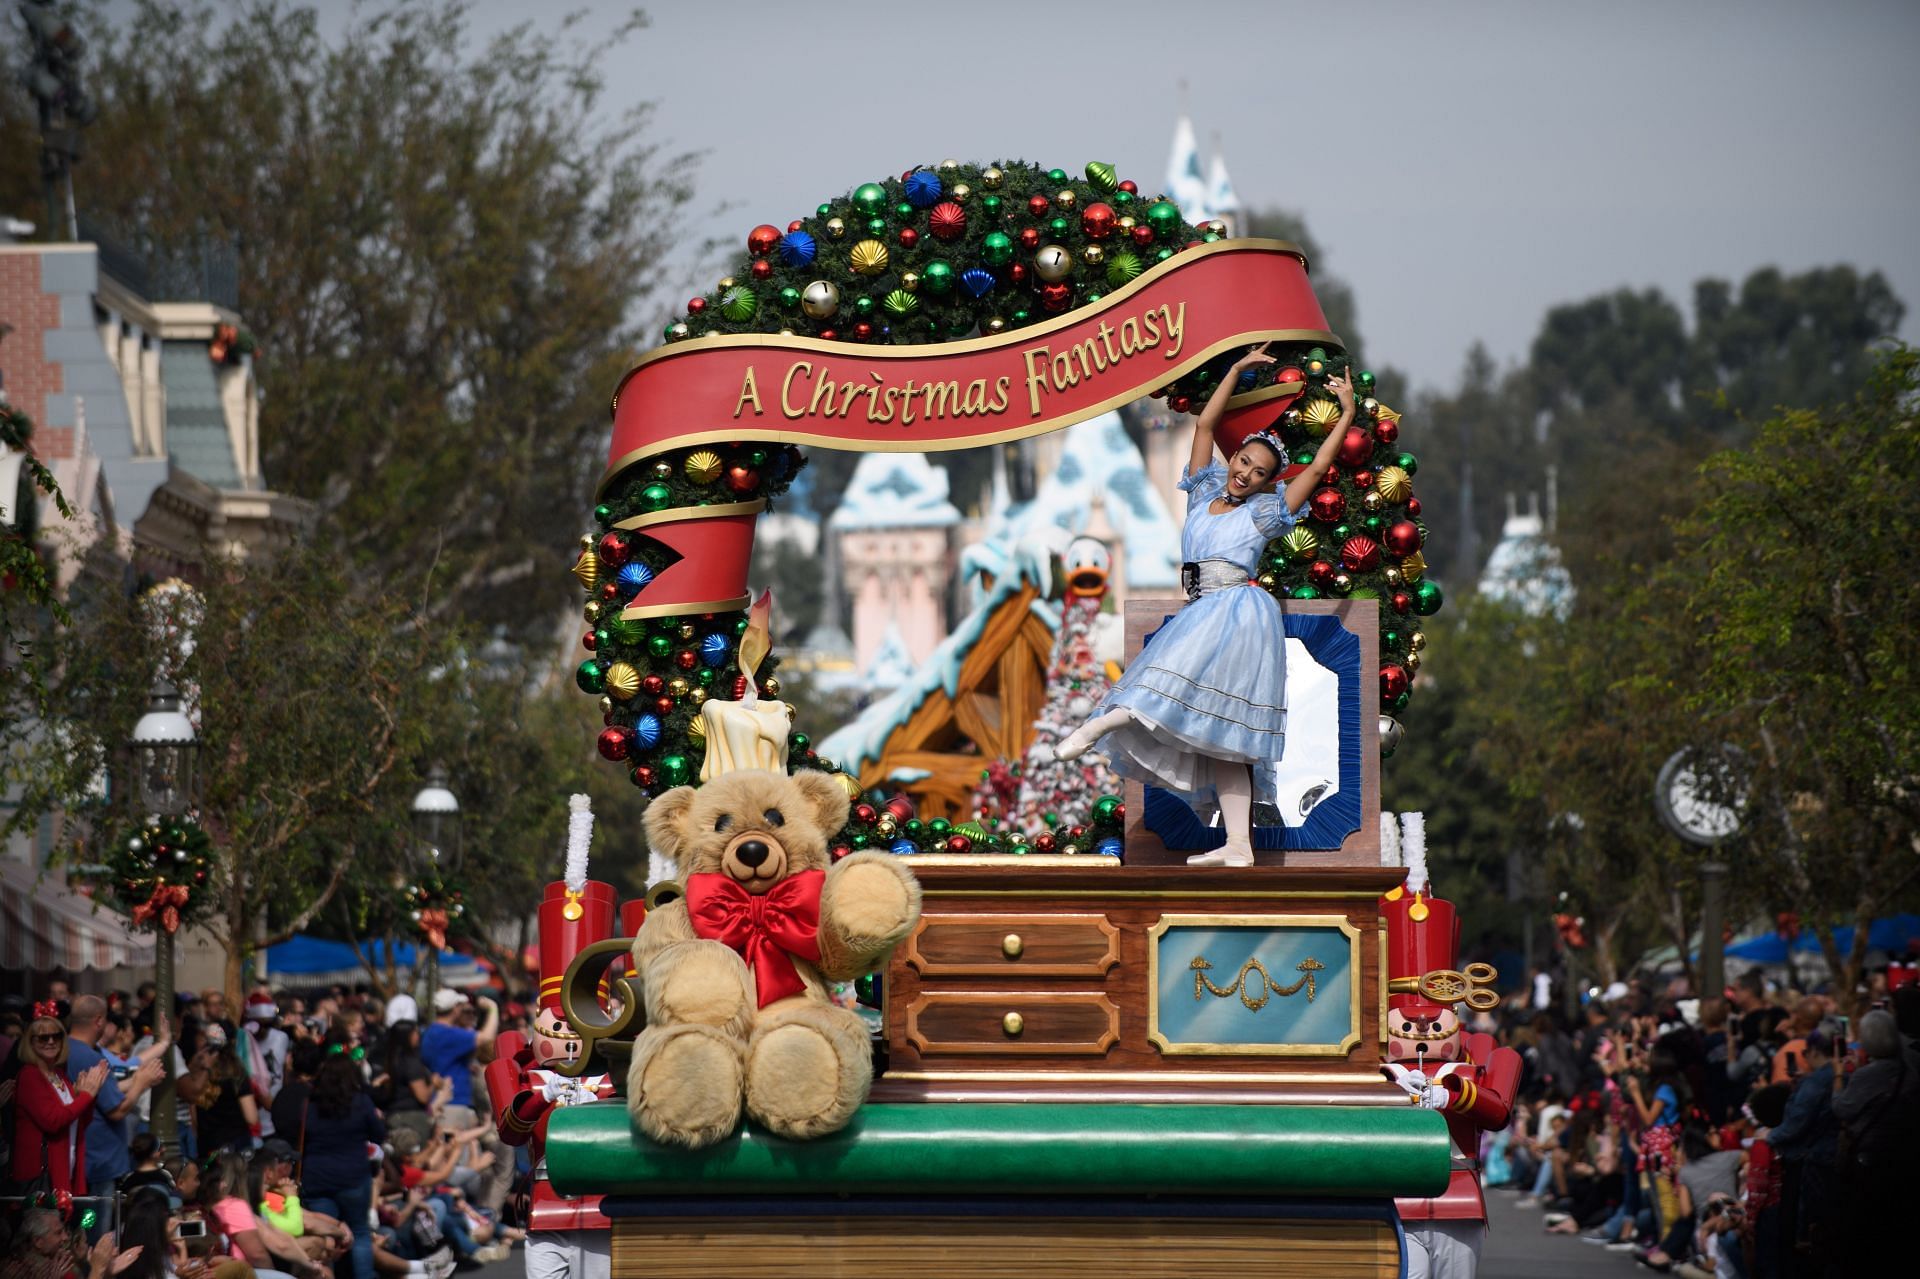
892 664
579 841
895 490
908 776
1413 841
1389 839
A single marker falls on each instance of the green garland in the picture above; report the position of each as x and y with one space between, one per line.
939 254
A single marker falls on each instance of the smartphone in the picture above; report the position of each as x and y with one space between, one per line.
189 1228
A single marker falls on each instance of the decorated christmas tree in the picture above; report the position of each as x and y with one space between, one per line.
1053 790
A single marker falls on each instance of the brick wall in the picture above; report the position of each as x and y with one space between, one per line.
30 377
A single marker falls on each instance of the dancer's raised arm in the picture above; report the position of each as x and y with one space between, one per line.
1201 454
1301 486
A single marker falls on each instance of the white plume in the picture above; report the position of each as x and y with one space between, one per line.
1389 839
1413 843
660 869
579 840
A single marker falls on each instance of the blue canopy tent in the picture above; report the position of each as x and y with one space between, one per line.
1890 935
313 961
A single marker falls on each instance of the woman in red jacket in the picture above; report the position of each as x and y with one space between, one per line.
51 1111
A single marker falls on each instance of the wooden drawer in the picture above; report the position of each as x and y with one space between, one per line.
1013 1023
972 945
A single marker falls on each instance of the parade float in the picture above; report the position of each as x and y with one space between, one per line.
1091 1057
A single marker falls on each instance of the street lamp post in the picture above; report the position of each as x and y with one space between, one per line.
164 746
436 829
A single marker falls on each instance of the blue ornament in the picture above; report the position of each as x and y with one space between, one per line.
977 282
797 248
713 649
903 847
646 732
923 188
633 578
1247 378
1109 847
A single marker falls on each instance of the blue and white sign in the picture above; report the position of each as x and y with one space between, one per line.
1271 985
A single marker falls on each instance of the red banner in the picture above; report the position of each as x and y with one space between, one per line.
949 395
715 546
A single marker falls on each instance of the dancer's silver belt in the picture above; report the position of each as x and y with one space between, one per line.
1208 576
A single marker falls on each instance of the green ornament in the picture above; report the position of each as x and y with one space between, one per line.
1161 255
938 278
1400 703
1303 458
863 305
660 646
757 457
913 828
824 210
706 675
1392 638
738 305
602 637
870 197
591 676
1341 532
603 513
903 209
990 204
1122 267
1021 316
1051 819
1059 227
799 741
676 331
1364 379
1304 592
1056 175
1122 197
1103 177
739 627
939 826
1427 598
901 303
1374 523
1317 353
997 248
655 496
1105 807
859 839
1164 217
877 226
1208 237
674 770
1407 462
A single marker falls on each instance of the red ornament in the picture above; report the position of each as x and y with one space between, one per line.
760 269
1098 220
761 239
908 237
653 686
1386 432
864 814
947 220
609 591
795 225
1328 505
696 305
1130 187
1402 602
613 549
643 775
1356 446
1402 537
685 659
1017 273
840 850
901 807
1290 374
1360 554
1043 843
1394 681
828 335
1056 297
739 687
1321 572
663 707
742 479
614 743
1142 235
1120 810
1363 479
1030 238
1179 404
588 642
1413 507
1037 205
862 331
959 844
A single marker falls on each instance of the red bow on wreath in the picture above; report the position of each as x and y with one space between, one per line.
767 931
433 922
164 905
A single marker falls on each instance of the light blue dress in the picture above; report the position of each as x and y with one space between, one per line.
1212 682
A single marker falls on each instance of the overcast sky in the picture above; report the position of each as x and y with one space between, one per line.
1465 166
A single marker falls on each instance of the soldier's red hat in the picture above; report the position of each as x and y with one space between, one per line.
569 923
1423 935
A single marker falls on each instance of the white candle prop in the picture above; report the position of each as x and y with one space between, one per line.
752 732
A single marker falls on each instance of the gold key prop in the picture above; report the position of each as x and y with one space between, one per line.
1473 987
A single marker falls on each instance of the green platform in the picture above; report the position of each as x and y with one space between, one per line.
1269 1151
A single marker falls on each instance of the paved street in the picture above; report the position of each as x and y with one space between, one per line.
1517 1248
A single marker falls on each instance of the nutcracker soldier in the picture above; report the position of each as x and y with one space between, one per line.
567 1238
1465 1076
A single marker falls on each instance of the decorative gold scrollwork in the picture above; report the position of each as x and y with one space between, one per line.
580 1002
1203 986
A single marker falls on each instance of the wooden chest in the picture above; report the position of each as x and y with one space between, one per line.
1079 979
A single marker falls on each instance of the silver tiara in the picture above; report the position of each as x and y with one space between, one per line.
1269 439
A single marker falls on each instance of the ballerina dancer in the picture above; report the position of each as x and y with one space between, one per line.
1203 709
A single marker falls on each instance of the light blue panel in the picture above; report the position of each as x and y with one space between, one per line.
76 313
75 271
1327 1018
62 346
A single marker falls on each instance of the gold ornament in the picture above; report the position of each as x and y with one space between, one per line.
849 784
703 467
1412 661
697 729
586 570
1416 641
836 228
695 696
1300 543
678 331
885 827
1388 415
1370 406
606 706
623 681
1268 581
1216 226
686 630
1320 414
1052 263
592 611
678 687
663 470
1393 484
820 300
1394 577
910 281
770 687
725 284
1065 199
869 257
991 179
993 324
1128 223
1414 567
961 190
1372 501
586 541
948 166
1093 255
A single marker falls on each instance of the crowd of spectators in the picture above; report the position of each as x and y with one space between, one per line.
320 1133
1758 1135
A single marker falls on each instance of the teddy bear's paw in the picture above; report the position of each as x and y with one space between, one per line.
808 1069
703 982
684 1087
869 904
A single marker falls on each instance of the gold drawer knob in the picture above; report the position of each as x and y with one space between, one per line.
1013 1024
1011 946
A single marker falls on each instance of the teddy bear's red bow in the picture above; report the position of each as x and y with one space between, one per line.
766 930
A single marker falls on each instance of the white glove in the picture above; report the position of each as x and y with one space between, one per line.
1433 1097
555 1089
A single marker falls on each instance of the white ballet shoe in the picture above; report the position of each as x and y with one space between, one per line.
1075 744
1230 854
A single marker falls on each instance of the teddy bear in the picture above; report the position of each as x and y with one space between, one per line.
733 975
